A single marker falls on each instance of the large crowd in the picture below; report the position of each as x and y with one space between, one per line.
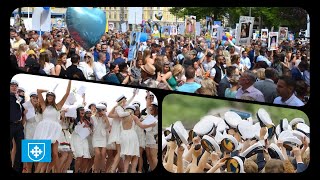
173 62
94 141
231 144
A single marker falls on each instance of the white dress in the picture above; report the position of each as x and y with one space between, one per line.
49 127
65 137
31 125
129 142
141 136
100 135
79 146
150 140
115 129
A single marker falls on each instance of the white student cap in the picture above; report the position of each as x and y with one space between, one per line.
232 119
120 98
209 144
179 133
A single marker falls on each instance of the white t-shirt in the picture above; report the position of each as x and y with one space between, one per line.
47 68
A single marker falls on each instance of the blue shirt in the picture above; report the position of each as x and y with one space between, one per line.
111 78
189 87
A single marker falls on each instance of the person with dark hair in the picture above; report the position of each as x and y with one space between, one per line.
218 70
73 71
285 88
16 126
111 77
297 71
190 85
49 128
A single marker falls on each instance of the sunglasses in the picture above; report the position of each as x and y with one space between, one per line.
87 57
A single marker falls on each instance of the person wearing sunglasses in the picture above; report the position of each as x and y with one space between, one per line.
87 66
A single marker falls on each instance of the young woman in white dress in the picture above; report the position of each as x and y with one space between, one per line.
99 138
141 136
90 161
64 147
129 139
31 124
114 136
151 143
49 127
79 141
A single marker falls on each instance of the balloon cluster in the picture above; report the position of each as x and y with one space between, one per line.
227 37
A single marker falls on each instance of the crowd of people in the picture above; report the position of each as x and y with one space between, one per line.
95 141
178 63
230 144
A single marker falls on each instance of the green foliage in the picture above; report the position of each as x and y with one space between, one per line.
189 109
292 17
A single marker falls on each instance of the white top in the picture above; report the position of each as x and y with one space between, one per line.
245 62
213 73
47 68
87 71
207 66
292 101
99 70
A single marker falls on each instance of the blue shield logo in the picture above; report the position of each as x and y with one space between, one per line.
36 150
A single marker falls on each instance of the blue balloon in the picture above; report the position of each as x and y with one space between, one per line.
86 26
222 42
46 8
224 38
143 37
234 41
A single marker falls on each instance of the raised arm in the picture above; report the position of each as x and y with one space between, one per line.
203 160
179 159
131 99
143 126
41 100
64 98
121 113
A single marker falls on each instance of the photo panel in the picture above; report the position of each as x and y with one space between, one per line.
69 126
174 42
203 135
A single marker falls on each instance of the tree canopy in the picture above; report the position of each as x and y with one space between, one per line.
293 17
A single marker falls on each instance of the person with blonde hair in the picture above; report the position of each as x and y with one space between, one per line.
22 55
274 166
87 66
260 73
209 84
232 91
250 166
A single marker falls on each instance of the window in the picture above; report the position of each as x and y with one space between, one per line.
115 16
109 8
109 15
125 16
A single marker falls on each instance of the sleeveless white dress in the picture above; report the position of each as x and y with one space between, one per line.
79 146
150 140
65 137
141 136
100 135
49 128
129 142
31 125
115 129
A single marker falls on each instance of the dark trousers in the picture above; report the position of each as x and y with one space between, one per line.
16 133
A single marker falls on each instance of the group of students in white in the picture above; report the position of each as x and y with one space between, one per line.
230 144
98 141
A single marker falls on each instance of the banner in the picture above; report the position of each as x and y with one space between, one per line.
155 31
198 29
41 19
165 31
245 30
134 43
134 15
209 23
190 26
273 41
173 30
217 23
111 26
264 34
123 27
283 33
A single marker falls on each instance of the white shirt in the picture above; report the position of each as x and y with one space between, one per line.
207 66
99 70
245 62
47 68
213 73
292 101
87 71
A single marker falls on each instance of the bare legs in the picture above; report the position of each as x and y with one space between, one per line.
100 154
140 162
116 159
